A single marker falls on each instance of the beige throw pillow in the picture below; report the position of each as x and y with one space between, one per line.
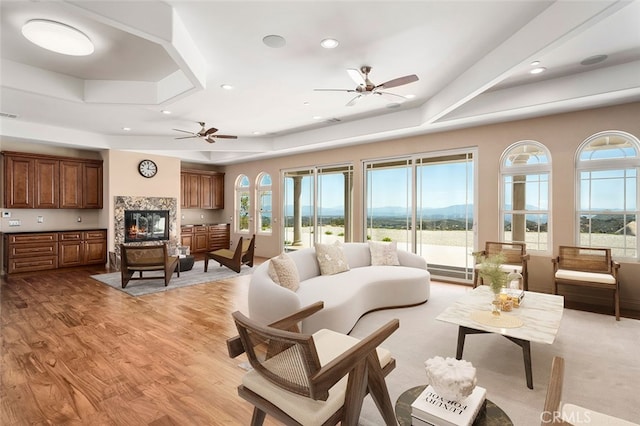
283 270
384 253
331 258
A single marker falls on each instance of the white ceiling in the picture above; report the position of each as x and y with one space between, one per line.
472 59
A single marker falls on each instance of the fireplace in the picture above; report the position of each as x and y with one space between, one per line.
146 225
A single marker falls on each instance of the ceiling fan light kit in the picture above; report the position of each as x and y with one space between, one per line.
366 87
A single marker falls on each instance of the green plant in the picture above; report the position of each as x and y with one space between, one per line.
328 233
341 234
492 273
386 239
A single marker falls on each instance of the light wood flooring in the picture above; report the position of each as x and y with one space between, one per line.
75 351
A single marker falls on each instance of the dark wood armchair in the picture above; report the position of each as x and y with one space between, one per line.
515 258
144 259
301 379
589 267
233 259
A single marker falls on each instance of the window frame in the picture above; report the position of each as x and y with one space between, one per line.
240 190
260 190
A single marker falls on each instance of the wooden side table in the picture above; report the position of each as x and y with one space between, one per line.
490 414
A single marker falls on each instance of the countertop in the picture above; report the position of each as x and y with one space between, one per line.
18 231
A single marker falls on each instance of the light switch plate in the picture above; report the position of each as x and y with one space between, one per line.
15 222
6 214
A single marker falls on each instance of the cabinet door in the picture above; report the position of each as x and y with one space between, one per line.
70 253
92 186
46 183
95 252
187 240
218 191
18 182
71 184
200 239
219 237
193 194
184 190
206 192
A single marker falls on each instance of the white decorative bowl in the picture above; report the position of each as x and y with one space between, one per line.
452 379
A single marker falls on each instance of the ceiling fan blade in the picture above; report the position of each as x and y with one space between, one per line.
184 131
223 136
334 90
210 131
356 76
398 82
187 137
353 101
389 93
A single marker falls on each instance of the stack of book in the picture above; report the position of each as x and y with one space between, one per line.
430 409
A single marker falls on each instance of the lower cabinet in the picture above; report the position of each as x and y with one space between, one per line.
203 238
39 251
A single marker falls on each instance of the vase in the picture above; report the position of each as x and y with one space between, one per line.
496 304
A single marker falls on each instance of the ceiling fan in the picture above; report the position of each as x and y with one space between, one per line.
207 134
366 87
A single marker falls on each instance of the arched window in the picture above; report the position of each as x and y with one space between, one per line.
608 194
525 194
242 206
263 201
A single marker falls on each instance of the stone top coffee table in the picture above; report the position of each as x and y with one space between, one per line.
539 313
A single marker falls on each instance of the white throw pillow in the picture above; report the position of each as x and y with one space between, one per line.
384 253
331 258
283 270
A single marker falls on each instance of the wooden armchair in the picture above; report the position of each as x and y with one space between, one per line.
558 412
515 255
233 259
319 379
589 267
147 258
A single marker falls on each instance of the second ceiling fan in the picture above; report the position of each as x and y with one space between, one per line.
366 87
208 134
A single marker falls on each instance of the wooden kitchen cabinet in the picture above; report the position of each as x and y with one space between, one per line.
82 248
219 236
200 239
201 189
48 182
203 238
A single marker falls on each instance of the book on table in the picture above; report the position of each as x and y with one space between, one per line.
432 409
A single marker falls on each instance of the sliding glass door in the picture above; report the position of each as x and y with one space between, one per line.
425 203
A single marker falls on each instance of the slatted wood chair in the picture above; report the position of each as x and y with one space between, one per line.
319 379
146 259
589 267
233 259
558 412
515 255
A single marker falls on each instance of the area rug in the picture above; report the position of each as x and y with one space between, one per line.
187 278
602 370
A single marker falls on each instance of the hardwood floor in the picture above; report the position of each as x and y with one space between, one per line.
75 351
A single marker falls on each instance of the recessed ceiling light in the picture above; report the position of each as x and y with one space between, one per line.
317 117
226 86
126 129
393 105
305 103
166 112
329 43
410 96
592 60
57 37
535 63
274 41
537 70
258 133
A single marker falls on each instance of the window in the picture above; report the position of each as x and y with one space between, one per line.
525 194
242 204
607 166
263 201
318 204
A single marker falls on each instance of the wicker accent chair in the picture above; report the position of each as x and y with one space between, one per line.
319 379
144 259
233 259
589 267
515 255
558 412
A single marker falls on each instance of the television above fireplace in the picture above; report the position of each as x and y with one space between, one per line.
146 225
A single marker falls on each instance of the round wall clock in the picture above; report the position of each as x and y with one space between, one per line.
147 168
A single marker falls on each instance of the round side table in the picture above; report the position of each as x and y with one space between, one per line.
186 263
490 414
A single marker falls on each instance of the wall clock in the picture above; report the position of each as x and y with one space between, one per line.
147 168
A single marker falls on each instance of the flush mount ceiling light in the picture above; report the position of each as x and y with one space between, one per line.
592 60
274 41
226 86
57 37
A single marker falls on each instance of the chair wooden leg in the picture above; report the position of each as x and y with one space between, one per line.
616 301
378 390
356 391
206 263
258 417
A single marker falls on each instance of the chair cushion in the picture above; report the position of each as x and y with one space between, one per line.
283 270
383 254
331 258
224 253
577 415
594 277
307 411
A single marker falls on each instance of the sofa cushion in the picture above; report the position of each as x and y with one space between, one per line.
283 271
384 253
331 258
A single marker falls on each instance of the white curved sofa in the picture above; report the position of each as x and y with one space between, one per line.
346 295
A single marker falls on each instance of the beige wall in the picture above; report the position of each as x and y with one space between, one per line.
561 134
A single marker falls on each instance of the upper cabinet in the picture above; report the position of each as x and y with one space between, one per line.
48 182
201 189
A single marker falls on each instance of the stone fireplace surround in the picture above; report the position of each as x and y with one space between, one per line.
122 203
